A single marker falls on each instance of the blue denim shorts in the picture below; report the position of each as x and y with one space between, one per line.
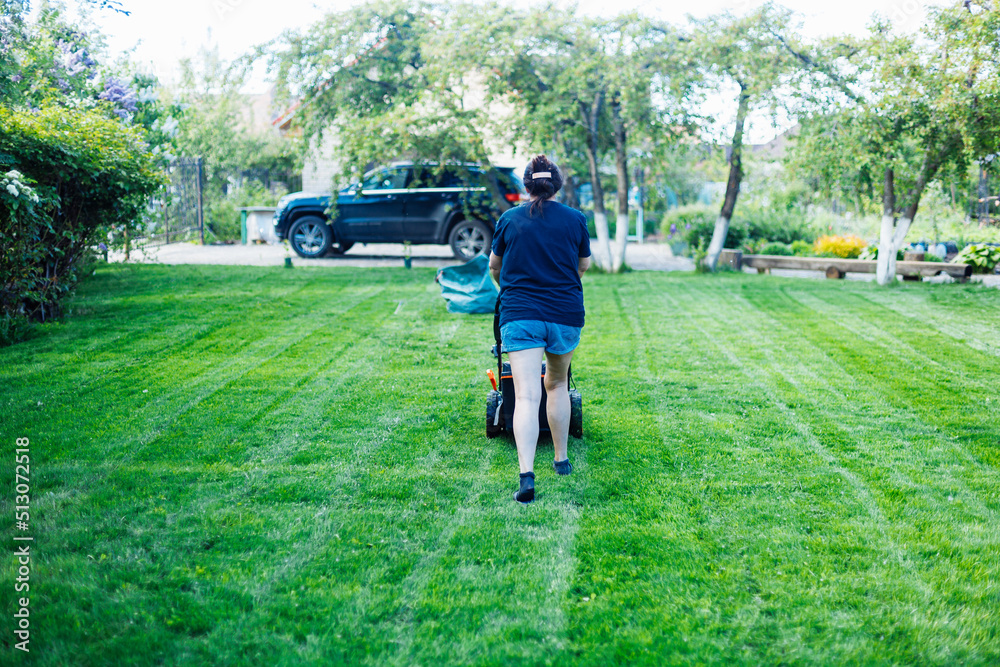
526 334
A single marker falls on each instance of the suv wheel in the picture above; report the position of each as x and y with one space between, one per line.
310 237
469 238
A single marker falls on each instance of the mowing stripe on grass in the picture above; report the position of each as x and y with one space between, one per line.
758 374
143 337
977 523
976 327
774 472
731 330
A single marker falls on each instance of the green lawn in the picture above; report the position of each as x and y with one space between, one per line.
267 467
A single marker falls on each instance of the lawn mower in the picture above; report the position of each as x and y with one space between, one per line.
500 402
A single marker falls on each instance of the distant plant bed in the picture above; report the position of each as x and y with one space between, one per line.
983 258
689 224
846 247
751 228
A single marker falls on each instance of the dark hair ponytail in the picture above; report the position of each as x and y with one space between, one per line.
544 187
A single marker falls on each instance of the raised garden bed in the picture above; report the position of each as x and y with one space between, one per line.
837 268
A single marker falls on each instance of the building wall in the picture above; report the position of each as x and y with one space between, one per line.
319 168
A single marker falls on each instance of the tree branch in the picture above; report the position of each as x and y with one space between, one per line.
808 61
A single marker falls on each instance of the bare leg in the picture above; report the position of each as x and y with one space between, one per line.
557 405
526 367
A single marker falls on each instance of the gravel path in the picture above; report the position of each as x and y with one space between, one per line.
641 257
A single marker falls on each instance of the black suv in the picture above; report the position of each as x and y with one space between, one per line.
402 203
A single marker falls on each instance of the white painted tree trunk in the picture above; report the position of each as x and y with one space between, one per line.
891 237
718 241
621 239
602 254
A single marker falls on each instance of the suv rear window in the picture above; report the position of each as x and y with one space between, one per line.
428 177
386 179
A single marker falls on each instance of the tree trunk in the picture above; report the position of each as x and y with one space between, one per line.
732 185
893 232
621 167
591 116
890 241
885 266
570 197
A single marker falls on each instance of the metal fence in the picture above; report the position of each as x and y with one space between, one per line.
984 205
177 213
271 178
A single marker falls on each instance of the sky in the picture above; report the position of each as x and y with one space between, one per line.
159 34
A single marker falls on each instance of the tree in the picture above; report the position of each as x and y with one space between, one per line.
645 85
759 57
584 87
48 60
929 103
384 77
551 68
213 106
240 161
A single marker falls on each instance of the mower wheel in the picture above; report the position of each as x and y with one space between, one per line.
575 414
492 406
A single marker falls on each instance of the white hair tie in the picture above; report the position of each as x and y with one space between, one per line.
541 174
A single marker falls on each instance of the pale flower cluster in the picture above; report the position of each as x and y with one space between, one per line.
168 125
14 185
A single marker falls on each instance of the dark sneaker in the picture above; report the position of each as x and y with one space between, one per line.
526 494
562 467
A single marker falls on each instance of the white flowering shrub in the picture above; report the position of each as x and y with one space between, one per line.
16 191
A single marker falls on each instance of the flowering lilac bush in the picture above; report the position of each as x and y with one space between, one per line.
75 60
121 95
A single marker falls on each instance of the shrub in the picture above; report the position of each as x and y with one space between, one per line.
848 247
695 224
983 258
777 249
780 226
88 173
750 229
801 248
869 253
223 216
678 221
21 215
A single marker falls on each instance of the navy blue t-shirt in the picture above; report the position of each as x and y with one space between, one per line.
541 254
